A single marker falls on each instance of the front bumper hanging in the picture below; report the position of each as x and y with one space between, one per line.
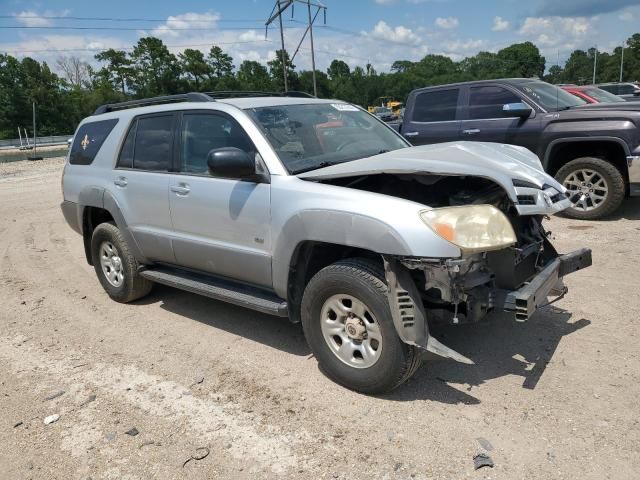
526 300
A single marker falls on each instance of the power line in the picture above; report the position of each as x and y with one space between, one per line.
163 27
18 52
112 19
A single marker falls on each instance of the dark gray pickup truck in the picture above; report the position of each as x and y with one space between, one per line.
592 149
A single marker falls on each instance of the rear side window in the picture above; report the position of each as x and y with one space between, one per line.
437 106
487 101
610 88
625 89
149 144
88 141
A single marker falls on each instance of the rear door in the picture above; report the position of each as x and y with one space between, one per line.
432 116
141 183
483 119
221 225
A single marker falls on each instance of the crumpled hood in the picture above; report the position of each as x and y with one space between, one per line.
498 162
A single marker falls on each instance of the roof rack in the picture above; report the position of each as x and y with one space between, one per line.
196 97
257 93
145 102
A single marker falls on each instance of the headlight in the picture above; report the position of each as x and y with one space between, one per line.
473 228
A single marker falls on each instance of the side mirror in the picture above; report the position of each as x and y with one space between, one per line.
518 109
231 162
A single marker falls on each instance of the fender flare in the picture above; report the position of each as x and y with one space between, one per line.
602 138
100 198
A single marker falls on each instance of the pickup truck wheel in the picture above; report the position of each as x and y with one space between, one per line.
348 326
596 187
116 268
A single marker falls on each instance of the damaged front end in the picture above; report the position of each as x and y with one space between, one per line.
517 279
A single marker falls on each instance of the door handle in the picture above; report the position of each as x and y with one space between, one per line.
471 131
120 182
182 189
411 134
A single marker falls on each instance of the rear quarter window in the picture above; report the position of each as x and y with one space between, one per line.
436 106
88 140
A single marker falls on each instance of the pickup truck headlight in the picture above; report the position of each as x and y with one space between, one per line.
473 228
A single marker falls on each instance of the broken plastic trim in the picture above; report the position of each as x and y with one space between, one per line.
408 313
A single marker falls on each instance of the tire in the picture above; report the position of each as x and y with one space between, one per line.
127 285
606 175
361 281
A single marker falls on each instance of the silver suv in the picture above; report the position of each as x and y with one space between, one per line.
317 211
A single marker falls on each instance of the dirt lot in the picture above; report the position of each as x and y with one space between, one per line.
554 398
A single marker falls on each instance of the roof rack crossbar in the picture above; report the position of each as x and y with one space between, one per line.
146 102
256 93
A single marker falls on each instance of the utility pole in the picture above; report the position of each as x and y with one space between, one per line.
283 53
313 56
277 11
595 62
621 60
35 148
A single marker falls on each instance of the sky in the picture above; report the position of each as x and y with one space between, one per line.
356 31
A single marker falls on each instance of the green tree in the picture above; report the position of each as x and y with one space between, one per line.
194 66
118 68
156 70
220 63
338 70
522 60
253 76
276 71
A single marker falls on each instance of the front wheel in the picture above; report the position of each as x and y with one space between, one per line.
116 267
595 186
348 326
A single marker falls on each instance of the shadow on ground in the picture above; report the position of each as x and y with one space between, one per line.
630 209
498 347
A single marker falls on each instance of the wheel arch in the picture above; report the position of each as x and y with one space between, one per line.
98 206
562 151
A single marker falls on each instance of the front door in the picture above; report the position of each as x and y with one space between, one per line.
220 225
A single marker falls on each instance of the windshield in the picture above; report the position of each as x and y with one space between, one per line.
381 110
549 97
602 95
311 136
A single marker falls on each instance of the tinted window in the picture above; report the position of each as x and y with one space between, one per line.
204 132
548 96
487 101
438 106
88 141
153 143
610 88
126 154
625 89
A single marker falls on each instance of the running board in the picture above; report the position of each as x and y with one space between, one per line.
218 289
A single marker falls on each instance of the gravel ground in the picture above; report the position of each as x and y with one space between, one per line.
556 397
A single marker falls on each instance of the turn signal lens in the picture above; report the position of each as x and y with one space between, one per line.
473 228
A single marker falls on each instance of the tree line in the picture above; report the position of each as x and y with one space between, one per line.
150 69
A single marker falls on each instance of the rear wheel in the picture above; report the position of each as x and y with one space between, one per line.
347 323
115 266
595 186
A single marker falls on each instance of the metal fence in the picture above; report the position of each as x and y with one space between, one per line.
43 141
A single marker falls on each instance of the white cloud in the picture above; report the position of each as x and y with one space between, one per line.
31 18
176 24
500 24
384 2
556 32
447 23
399 34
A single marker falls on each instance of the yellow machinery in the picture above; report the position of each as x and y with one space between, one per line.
394 105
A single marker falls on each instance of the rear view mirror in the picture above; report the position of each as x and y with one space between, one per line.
230 162
518 109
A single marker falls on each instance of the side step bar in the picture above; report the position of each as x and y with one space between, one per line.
218 289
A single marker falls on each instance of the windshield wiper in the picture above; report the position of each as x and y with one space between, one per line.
314 167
